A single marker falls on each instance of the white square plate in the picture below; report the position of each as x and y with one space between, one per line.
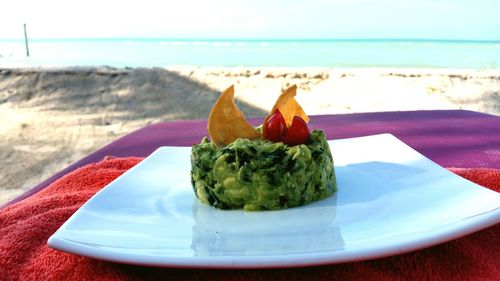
390 200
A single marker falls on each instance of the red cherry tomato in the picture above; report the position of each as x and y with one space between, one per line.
274 128
298 133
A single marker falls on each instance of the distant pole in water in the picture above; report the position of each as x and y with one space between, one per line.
26 41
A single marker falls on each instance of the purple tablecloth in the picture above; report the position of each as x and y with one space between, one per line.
451 138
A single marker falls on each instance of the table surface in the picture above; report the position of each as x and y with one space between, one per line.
451 138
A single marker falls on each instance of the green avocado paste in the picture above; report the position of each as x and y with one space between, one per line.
262 175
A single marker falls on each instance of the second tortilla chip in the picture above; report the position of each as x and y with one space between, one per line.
289 107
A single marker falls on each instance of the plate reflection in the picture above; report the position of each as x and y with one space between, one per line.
303 229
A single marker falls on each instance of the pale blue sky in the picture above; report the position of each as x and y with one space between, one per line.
362 19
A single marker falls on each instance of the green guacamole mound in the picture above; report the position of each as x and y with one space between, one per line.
262 175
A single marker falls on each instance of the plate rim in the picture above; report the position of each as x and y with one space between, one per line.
444 233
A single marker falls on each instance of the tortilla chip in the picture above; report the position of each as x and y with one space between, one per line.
289 107
226 122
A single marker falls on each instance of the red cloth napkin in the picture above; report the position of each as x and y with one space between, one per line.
26 226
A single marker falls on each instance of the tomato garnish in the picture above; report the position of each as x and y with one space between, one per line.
274 128
297 133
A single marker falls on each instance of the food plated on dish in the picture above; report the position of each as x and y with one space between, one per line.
390 200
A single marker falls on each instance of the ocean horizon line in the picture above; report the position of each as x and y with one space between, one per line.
256 40
148 51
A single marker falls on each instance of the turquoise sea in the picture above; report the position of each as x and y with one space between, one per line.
139 52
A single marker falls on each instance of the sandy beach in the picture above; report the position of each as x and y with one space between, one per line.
52 117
